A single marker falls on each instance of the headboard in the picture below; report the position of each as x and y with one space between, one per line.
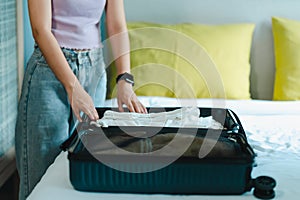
222 12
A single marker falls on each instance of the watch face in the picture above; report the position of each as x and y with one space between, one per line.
129 81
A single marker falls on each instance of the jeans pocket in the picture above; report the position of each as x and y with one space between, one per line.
42 61
43 75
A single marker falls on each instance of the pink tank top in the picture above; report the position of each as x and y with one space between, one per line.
76 23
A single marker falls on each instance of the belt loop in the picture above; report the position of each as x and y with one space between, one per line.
90 56
79 58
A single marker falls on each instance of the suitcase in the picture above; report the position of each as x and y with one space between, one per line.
113 159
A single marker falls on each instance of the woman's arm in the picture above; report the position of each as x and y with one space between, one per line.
118 38
40 19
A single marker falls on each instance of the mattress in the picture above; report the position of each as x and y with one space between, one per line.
272 130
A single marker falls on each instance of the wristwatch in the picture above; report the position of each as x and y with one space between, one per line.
126 77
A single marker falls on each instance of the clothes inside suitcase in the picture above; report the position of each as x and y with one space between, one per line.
174 160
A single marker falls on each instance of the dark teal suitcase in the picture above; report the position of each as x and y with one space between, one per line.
225 170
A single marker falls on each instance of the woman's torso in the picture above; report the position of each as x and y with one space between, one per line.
75 23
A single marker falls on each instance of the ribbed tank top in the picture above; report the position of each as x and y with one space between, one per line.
76 23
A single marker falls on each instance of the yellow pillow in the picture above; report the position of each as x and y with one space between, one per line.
190 60
286 34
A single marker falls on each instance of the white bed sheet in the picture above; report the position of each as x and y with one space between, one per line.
273 131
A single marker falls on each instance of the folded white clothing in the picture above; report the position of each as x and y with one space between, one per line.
177 113
182 117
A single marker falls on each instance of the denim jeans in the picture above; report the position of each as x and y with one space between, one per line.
44 112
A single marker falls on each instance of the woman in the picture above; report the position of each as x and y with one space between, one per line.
66 73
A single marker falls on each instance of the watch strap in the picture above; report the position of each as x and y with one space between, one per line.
126 77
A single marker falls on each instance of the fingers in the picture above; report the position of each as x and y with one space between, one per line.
89 109
139 107
91 112
126 95
133 105
143 108
128 104
77 114
81 101
130 107
120 106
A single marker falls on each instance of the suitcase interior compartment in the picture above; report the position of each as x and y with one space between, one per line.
187 175
232 133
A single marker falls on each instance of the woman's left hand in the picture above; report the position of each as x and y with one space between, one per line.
126 95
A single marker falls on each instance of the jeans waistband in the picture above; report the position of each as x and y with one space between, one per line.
75 54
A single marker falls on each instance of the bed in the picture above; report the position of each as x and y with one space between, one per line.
258 91
273 135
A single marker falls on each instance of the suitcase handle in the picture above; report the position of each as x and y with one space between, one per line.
238 124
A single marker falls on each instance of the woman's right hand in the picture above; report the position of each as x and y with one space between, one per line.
80 100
